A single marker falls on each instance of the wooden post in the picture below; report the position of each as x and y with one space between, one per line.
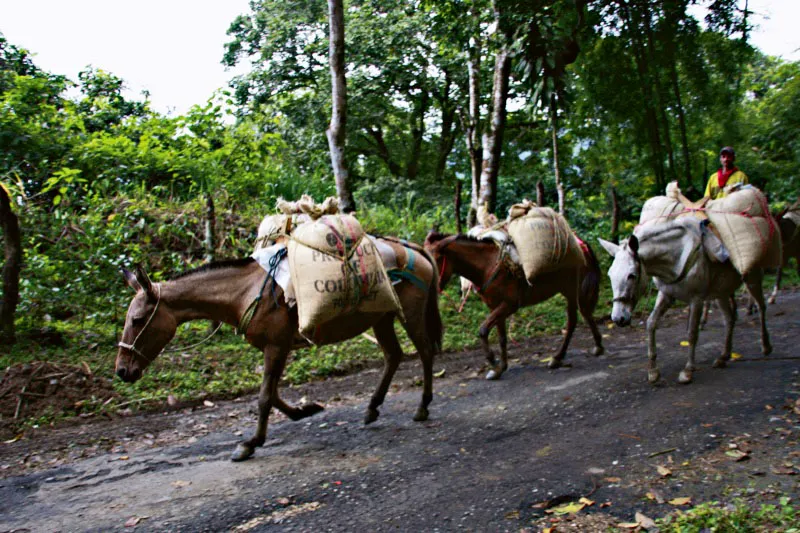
458 205
540 193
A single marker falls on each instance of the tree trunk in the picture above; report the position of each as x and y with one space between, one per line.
458 205
540 193
11 269
493 141
615 214
472 123
336 130
208 239
556 166
446 136
417 133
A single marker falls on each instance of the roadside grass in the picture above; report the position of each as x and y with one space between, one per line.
736 516
226 366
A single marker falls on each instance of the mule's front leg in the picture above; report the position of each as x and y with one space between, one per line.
497 315
502 334
662 304
695 312
274 361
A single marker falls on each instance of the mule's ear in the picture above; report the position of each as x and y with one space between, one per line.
130 279
633 244
144 280
610 247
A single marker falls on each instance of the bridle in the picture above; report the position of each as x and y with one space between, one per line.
633 298
440 246
132 346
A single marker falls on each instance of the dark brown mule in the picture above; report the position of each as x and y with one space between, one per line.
482 263
224 291
790 238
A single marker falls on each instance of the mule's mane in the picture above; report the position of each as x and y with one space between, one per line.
435 237
657 230
217 265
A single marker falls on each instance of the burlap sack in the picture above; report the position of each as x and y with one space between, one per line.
336 270
660 209
747 229
543 239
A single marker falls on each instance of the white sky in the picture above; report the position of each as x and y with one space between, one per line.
173 48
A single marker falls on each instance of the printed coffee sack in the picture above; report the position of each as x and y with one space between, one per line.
335 271
543 239
746 228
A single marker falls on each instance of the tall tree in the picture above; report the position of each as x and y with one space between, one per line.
11 269
336 132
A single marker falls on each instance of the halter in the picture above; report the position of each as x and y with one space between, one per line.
132 346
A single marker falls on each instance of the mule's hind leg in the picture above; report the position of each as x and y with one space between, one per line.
274 362
392 354
598 338
753 281
498 314
572 320
730 320
296 413
502 335
417 332
695 312
662 304
777 287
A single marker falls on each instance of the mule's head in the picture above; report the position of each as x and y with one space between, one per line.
149 326
628 280
435 244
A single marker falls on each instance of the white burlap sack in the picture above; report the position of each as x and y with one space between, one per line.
746 228
336 270
660 209
543 239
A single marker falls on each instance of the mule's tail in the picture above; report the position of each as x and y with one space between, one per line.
433 319
590 286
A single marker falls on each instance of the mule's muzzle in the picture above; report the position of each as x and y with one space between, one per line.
128 376
622 321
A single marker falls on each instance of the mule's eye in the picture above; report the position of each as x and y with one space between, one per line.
138 321
632 277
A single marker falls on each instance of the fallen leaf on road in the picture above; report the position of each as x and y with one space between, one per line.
171 400
15 439
612 479
567 508
543 452
664 471
283 501
681 501
783 471
439 374
132 521
645 521
586 501
628 525
208 403
684 343
735 356
738 455
179 484
655 495
512 515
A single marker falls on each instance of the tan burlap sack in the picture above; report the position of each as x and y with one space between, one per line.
543 239
336 270
746 228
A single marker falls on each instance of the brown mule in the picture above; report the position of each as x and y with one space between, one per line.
224 292
483 263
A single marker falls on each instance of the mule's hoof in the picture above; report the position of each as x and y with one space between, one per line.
653 375
554 363
371 416
598 351
766 350
771 300
685 377
720 362
242 452
493 375
421 415
311 409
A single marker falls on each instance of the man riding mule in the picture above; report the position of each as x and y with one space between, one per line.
242 294
677 254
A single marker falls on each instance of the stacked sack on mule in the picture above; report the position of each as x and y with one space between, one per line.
335 267
543 239
741 220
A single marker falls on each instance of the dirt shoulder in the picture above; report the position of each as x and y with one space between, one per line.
493 456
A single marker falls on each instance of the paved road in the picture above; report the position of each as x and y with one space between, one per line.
490 452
